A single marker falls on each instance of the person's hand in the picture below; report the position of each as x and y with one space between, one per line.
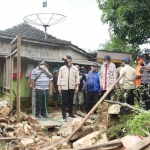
44 70
138 76
76 90
82 89
59 89
50 92
54 91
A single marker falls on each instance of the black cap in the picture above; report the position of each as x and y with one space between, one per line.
107 57
40 60
94 64
66 57
43 63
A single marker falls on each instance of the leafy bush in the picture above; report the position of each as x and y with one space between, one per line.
140 124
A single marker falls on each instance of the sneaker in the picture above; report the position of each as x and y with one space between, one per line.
38 116
65 119
71 116
44 115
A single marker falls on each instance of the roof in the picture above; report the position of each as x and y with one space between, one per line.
115 56
81 62
29 32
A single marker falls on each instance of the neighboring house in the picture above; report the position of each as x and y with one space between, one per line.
35 47
116 57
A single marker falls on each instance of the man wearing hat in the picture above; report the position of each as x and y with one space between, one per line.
92 87
107 74
127 83
68 83
40 83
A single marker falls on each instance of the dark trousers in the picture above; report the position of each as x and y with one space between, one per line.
41 96
109 95
129 96
67 94
91 96
145 96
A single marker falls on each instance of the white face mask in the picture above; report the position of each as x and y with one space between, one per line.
42 66
93 69
104 63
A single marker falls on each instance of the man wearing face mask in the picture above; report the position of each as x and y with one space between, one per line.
92 87
107 74
145 81
68 83
40 79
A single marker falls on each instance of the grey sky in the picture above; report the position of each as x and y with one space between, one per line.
82 27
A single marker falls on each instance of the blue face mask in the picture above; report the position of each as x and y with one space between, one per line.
104 63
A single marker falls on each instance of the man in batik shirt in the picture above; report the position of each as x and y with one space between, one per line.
107 75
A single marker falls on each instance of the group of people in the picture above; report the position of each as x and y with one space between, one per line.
77 87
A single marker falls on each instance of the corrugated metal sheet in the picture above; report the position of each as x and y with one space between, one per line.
81 62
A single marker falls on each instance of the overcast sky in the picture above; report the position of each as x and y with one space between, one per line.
82 27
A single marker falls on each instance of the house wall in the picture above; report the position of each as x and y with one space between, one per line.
50 52
36 51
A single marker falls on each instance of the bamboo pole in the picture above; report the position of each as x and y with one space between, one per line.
94 108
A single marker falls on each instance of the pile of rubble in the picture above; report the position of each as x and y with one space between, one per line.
27 134
32 134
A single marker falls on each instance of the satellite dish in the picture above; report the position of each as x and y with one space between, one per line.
45 19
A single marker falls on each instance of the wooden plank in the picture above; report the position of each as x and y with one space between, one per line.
8 138
13 47
141 145
48 123
14 40
109 145
18 77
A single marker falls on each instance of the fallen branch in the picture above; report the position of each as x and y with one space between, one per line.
125 105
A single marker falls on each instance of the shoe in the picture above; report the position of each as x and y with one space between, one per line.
65 119
71 116
44 115
38 116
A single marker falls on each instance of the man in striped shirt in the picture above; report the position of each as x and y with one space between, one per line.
40 83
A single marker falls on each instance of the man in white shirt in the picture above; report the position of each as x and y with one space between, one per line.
127 83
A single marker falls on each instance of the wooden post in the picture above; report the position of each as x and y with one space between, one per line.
15 47
18 77
11 81
94 108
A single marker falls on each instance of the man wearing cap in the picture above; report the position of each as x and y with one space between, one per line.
92 87
68 83
79 96
40 83
107 74
127 83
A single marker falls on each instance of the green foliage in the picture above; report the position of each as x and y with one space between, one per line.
139 123
128 19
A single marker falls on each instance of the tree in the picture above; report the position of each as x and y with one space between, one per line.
118 45
129 20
